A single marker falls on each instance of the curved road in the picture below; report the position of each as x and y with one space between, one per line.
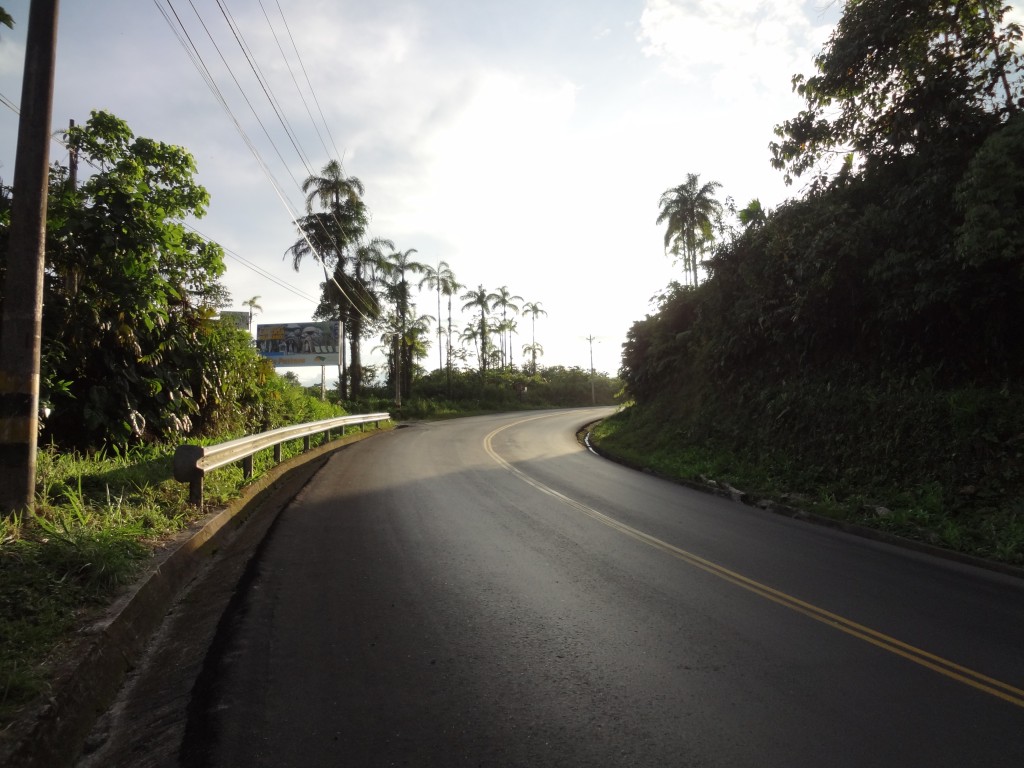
484 592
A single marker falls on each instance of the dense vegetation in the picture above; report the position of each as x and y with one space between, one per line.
860 349
131 351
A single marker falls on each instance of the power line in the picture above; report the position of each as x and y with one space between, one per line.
267 90
309 84
258 269
197 60
10 104
200 65
245 97
180 31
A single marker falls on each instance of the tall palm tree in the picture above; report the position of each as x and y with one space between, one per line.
503 330
362 304
415 346
340 222
754 215
404 349
533 351
471 335
331 235
332 188
481 300
442 279
532 309
395 266
505 300
689 212
254 306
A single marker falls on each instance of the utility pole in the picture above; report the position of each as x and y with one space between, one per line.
593 397
20 340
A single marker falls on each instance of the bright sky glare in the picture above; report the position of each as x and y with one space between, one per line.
526 144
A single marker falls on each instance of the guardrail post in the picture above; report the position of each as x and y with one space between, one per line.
277 453
247 467
186 470
195 492
305 443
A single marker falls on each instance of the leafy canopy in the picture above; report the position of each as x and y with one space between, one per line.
899 77
129 352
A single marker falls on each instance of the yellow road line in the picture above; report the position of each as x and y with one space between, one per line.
945 667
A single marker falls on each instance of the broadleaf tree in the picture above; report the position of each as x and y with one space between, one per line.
129 293
898 77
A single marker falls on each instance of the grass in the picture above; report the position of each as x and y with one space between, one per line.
97 521
906 496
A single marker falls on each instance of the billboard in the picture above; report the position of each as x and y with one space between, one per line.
239 320
294 345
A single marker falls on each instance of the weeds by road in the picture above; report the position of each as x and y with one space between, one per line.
97 522
976 526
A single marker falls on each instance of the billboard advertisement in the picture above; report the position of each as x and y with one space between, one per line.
239 320
295 345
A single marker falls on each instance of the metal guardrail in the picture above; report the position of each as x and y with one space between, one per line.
192 462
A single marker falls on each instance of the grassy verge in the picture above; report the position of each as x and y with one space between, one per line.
98 521
904 466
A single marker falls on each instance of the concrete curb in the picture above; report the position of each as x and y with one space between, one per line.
767 505
52 735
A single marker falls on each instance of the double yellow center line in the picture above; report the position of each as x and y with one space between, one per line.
945 667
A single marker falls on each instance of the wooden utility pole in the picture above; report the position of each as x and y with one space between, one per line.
20 340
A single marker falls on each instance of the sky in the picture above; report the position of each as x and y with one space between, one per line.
526 144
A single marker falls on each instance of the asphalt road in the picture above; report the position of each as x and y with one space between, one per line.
484 592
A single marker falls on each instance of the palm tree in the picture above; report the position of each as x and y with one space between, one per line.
332 188
689 212
330 236
533 310
404 349
341 221
395 266
253 306
533 351
505 300
442 280
363 305
415 347
389 344
471 335
501 328
754 215
481 300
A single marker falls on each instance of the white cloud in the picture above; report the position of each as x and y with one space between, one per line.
745 48
494 159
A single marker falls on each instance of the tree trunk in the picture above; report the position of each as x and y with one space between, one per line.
406 370
342 384
356 366
448 345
